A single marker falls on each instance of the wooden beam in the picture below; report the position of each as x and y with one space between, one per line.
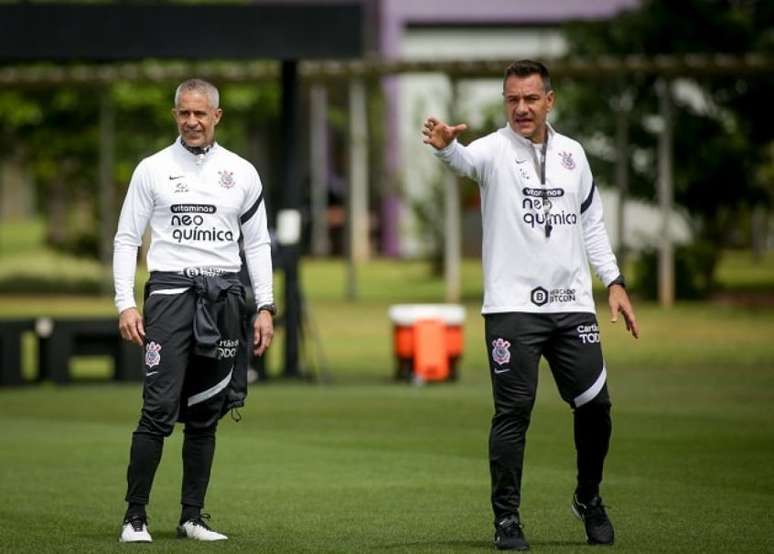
694 65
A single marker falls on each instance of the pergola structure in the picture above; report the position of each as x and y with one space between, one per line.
251 70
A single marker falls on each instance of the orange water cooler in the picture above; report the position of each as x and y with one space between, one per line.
428 341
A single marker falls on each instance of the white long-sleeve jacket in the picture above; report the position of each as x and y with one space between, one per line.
197 206
524 270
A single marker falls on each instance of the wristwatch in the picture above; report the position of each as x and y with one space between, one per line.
618 281
271 308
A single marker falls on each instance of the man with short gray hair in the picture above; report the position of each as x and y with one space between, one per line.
200 87
198 199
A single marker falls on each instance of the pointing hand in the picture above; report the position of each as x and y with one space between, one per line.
438 134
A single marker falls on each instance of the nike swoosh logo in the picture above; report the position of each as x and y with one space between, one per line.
520 161
151 373
498 371
173 177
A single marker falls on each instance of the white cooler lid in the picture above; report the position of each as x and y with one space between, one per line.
408 314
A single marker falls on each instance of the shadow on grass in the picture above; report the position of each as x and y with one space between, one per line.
568 544
478 545
466 545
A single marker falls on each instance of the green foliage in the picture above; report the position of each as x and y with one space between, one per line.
742 271
55 134
694 271
430 218
16 111
46 272
20 237
722 143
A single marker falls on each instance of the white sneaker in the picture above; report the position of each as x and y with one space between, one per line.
135 530
197 529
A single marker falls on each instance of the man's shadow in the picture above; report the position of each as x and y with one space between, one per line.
473 545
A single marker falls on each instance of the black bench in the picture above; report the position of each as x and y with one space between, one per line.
61 339
11 331
86 337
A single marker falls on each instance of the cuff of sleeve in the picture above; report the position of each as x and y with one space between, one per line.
264 301
617 281
125 305
445 152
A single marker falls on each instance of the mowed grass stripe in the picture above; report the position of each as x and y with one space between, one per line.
393 468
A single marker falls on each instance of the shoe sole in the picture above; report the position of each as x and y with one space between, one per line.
577 514
124 541
521 549
181 534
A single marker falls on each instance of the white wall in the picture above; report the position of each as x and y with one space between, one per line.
643 222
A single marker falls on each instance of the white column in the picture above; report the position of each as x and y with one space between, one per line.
318 139
357 198
358 170
452 250
666 265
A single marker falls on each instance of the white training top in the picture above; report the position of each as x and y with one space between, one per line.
198 206
525 271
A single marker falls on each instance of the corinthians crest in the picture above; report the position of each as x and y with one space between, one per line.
567 161
500 351
226 179
152 356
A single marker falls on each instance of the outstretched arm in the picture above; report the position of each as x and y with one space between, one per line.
468 161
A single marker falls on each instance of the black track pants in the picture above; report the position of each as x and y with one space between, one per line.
145 455
570 343
180 386
198 453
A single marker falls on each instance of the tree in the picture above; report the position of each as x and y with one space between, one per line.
722 136
54 132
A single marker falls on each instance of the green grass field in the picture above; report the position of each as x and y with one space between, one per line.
357 463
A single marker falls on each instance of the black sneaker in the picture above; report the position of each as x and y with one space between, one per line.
508 534
599 530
